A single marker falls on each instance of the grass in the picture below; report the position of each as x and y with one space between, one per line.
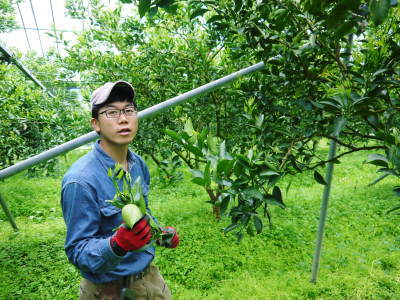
360 257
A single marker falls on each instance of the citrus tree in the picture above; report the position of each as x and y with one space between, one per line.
162 58
32 121
331 72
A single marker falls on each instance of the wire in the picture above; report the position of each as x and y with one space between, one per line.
34 17
45 29
55 30
23 23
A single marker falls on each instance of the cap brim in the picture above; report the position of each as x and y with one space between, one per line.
102 94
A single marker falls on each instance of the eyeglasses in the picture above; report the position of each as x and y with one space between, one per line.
116 113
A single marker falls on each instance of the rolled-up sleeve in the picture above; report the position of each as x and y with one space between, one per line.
84 247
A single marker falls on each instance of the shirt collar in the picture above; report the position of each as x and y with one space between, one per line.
107 161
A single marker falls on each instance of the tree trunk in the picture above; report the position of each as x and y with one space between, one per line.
216 209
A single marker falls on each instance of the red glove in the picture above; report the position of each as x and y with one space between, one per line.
169 238
131 239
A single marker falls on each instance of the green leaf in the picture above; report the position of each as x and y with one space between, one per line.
224 166
373 119
198 12
276 192
153 11
171 9
239 237
243 159
388 171
144 7
250 230
377 160
253 193
258 224
214 19
195 150
238 5
120 173
212 144
394 208
197 173
224 182
172 134
116 203
207 174
378 179
331 105
318 177
199 181
202 137
275 198
188 127
250 154
345 27
271 200
222 150
273 180
269 173
165 3
379 72
231 227
379 10
224 202
396 190
260 121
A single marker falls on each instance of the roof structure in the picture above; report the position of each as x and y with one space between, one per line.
37 18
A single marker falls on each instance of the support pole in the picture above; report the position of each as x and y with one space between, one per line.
11 58
340 123
323 212
8 213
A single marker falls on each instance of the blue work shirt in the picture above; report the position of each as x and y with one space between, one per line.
90 219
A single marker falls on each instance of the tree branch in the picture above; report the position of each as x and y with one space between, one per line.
345 153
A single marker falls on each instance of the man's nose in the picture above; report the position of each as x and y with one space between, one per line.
122 116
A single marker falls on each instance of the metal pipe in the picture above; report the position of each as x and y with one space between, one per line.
7 53
199 91
8 213
329 174
89 137
324 211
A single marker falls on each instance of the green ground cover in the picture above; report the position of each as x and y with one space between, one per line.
360 258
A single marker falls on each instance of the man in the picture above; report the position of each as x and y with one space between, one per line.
108 260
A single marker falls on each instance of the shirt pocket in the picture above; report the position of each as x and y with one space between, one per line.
109 210
111 218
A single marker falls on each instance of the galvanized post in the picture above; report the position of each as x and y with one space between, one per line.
323 212
8 213
328 180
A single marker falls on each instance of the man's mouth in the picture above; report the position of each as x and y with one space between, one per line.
124 131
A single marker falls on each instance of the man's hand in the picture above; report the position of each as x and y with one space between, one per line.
131 239
169 238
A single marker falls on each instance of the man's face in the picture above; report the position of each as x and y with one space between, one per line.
114 129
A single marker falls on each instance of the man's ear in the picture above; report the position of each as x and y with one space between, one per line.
95 125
